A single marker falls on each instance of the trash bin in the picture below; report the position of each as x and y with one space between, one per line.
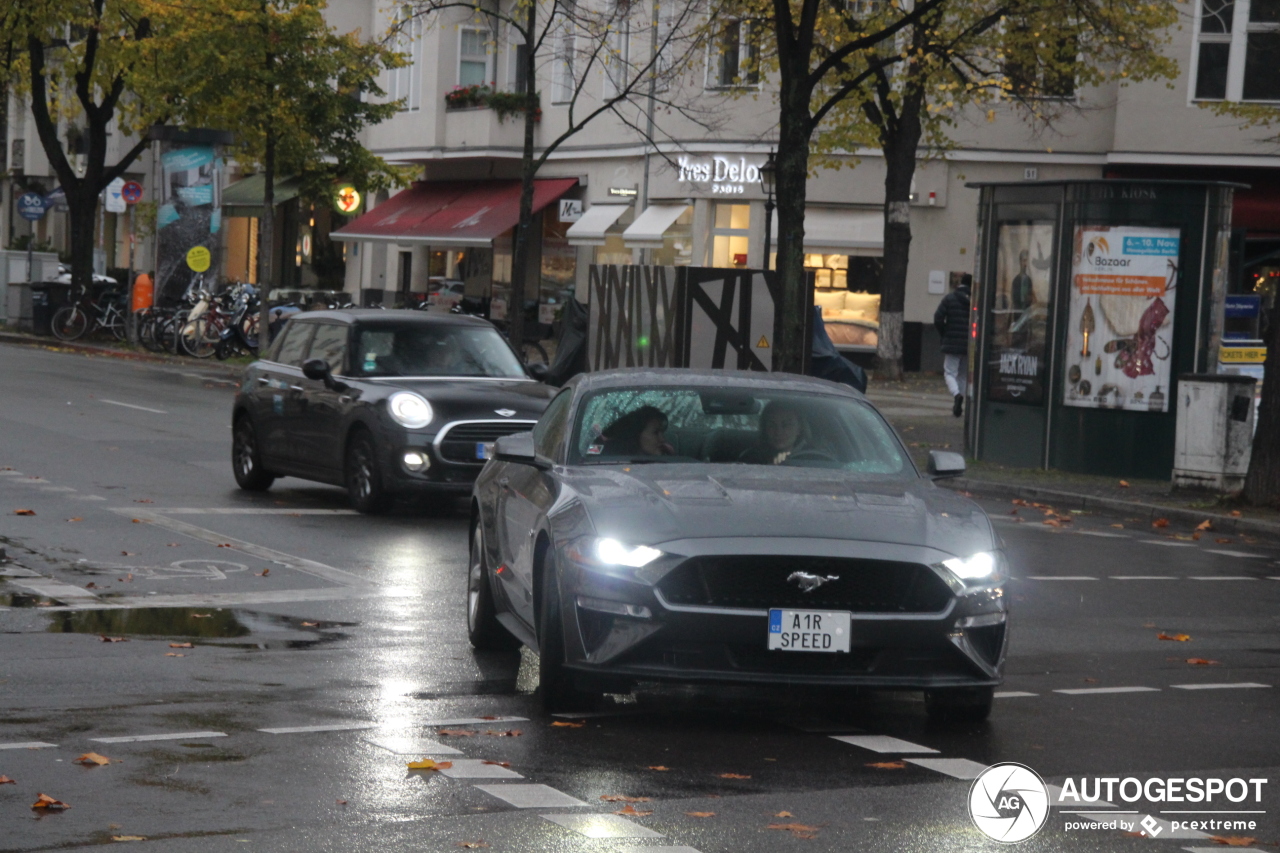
46 298
1215 431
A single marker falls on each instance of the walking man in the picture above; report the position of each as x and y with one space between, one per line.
952 322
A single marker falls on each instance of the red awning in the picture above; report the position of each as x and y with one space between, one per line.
451 213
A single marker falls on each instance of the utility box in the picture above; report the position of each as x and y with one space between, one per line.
15 308
1215 431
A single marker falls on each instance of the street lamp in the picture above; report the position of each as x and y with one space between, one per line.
768 174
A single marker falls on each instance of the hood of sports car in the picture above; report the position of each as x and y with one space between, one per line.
656 503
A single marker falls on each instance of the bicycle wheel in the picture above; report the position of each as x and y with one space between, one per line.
170 332
114 321
69 322
199 338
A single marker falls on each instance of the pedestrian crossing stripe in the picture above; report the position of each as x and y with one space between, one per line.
763 343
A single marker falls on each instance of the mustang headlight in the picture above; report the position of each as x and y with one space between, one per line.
983 570
409 410
604 551
980 566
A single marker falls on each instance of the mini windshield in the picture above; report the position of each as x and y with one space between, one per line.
420 349
748 427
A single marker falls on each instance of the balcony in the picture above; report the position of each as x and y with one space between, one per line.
479 118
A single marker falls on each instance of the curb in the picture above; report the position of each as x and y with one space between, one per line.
111 352
1149 512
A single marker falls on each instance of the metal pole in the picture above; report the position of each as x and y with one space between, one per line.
653 84
768 228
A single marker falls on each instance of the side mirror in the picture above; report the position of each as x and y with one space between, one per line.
943 464
316 369
538 371
517 447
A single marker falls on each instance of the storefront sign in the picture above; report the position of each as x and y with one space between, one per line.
1120 322
1019 315
1242 305
1242 355
347 200
570 209
623 192
727 175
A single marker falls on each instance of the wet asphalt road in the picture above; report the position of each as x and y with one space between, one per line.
301 615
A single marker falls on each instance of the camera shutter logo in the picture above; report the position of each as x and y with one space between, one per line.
1009 802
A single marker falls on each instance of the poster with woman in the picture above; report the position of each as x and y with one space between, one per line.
1020 312
1120 324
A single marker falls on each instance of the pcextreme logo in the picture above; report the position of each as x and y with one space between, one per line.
1009 802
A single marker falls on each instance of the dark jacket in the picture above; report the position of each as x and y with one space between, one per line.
952 321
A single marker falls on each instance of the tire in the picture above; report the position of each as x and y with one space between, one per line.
149 323
556 683
483 628
246 458
69 322
201 339
365 489
959 704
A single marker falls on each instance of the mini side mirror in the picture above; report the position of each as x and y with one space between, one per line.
943 464
538 371
316 369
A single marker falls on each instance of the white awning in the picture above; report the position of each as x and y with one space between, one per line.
646 232
591 228
841 232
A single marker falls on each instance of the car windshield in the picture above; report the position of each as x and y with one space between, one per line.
739 426
421 349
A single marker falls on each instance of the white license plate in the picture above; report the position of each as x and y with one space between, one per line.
809 630
484 449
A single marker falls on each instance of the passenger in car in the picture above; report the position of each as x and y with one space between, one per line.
783 432
642 432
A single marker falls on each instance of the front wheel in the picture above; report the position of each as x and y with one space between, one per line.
69 322
959 704
483 628
559 693
246 458
364 479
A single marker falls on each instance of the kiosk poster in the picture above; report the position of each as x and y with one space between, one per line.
1019 318
1120 323
189 215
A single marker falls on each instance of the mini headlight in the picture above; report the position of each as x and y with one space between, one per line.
600 551
981 565
409 410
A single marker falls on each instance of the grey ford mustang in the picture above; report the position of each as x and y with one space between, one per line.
733 527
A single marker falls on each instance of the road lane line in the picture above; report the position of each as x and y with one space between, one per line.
474 768
957 768
329 727
228 599
476 721
1103 534
29 744
1143 578
1168 544
1221 578
59 591
1060 578
300 564
1013 694
56 489
1222 686
10 473
1235 553
170 736
87 497
603 826
646 848
530 796
132 406
412 746
882 743
1082 691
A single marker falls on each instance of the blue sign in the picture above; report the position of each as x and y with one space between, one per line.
1243 305
32 206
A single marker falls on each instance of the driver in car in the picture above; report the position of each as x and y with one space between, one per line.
642 432
783 433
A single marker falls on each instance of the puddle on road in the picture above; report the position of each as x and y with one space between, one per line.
197 623
23 599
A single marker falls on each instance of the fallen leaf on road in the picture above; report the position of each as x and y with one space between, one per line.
128 553
456 733
340 802
1233 840
44 801
799 830
1148 624
428 764
92 759
471 845
137 521
201 615
1020 502
1195 536
497 763
1160 522
1222 541
1235 513
310 624
107 639
967 494
888 765
1013 512
659 768
128 838
1052 522
143 501
1205 525
733 776
172 545
225 545
1090 681
621 798
507 733
1124 484
784 814
174 655
263 573
1251 540
77 518
126 579
565 724
633 811
24 512
5 780
1177 638
91 585
181 646
701 814
1202 662
1118 526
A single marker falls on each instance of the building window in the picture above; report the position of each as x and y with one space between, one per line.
517 56
563 77
473 57
735 55
617 60
730 236
406 82
1237 42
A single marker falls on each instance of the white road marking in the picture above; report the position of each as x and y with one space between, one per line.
958 768
87 497
476 721
33 481
1168 544
1060 578
1081 691
10 473
195 510
1220 849
1224 686
882 743
412 746
1013 694
56 489
170 736
603 826
474 768
645 848
1143 578
1101 533
228 599
530 796
29 744
17 572
329 727
64 592
1222 578
132 406
1234 553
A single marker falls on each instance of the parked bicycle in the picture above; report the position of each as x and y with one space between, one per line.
88 314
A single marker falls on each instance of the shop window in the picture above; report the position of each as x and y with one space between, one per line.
677 242
559 267
845 288
1237 42
735 55
731 236
473 57
405 83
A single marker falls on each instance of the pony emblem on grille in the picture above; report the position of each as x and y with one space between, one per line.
808 582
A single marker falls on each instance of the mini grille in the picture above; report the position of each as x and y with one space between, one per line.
458 444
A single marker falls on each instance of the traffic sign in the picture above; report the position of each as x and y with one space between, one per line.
114 200
131 192
32 206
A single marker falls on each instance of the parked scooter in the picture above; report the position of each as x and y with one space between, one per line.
241 335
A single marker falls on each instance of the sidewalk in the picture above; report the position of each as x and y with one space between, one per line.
96 347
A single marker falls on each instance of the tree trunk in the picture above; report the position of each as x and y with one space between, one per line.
899 146
791 346
266 240
82 216
524 235
1262 483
